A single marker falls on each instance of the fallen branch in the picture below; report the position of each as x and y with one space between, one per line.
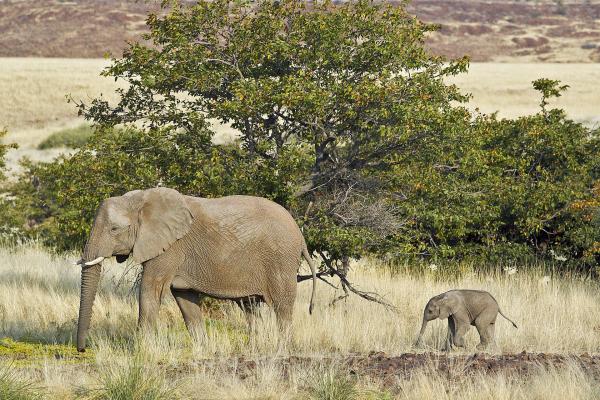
348 288
302 278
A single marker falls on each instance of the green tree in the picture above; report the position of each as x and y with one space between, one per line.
348 90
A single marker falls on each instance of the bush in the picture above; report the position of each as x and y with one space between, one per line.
73 138
510 189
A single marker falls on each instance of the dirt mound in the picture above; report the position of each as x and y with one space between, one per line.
388 368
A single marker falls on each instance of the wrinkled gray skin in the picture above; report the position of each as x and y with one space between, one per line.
241 248
464 308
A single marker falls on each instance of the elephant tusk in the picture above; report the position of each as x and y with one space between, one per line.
94 262
78 262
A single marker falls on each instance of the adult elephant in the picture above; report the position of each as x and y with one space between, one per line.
240 248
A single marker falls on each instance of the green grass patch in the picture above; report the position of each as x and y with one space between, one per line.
25 351
72 138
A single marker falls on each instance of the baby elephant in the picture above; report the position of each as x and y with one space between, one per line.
464 308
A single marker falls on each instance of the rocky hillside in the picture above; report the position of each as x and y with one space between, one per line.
488 31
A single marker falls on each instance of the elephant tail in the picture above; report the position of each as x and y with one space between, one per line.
508 319
314 277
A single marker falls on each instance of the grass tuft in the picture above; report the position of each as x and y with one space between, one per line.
136 380
13 387
333 385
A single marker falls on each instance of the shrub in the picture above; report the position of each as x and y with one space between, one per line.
73 138
507 190
513 188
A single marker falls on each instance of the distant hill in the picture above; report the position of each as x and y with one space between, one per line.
80 28
551 31
487 31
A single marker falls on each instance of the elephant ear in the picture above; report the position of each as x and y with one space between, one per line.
163 218
447 306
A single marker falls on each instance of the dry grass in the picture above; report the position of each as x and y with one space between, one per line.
33 90
39 298
33 102
507 88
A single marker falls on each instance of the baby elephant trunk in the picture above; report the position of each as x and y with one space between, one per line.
422 331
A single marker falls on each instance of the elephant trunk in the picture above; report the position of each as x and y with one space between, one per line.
90 276
422 331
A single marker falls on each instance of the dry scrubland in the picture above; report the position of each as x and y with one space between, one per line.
33 102
39 298
507 88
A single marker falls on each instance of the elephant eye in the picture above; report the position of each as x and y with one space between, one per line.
116 229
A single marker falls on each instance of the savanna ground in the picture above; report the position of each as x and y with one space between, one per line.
353 349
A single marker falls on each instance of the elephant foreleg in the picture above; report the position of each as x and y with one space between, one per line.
451 334
189 305
149 302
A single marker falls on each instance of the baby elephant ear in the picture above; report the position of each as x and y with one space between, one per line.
447 305
163 218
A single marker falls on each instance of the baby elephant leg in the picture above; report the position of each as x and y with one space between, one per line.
486 326
461 330
451 334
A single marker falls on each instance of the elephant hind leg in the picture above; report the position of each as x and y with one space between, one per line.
284 312
486 328
284 309
282 297
189 305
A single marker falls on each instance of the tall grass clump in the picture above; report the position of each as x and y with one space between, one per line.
135 380
333 385
12 387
